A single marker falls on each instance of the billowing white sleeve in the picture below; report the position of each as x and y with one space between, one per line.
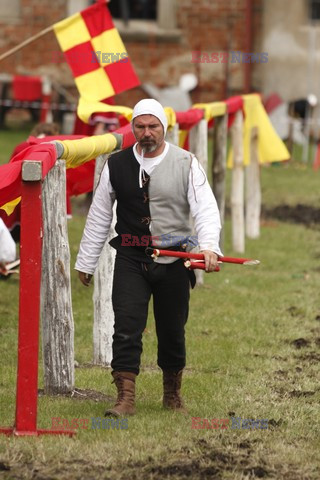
97 225
7 244
204 209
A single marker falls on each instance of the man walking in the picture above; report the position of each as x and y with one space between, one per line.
157 185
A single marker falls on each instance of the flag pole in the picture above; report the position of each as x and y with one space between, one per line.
26 42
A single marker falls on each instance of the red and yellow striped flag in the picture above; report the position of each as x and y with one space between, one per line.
95 53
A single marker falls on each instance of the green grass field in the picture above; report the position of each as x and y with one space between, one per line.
253 351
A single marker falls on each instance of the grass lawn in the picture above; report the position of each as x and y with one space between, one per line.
253 352
10 137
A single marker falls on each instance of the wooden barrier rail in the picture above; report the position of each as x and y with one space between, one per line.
29 305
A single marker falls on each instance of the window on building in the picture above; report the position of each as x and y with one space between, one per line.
138 19
133 9
314 9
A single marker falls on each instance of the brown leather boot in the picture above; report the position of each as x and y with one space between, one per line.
171 391
125 383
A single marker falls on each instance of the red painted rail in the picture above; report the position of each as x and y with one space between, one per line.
29 308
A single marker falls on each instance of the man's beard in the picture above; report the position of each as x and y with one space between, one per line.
148 146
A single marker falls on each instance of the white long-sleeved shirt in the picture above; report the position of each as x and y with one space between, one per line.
7 244
203 208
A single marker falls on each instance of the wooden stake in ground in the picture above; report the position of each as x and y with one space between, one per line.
219 161
103 278
198 141
237 185
172 135
56 305
253 189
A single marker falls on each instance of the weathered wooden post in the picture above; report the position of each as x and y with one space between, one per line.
103 278
253 189
198 144
237 185
172 135
219 161
56 305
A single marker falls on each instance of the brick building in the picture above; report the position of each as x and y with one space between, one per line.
160 46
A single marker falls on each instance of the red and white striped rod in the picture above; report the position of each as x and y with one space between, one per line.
155 252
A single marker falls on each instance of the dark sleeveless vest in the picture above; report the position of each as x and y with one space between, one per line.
133 213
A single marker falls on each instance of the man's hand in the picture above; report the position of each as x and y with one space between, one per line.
85 278
3 269
58 147
210 259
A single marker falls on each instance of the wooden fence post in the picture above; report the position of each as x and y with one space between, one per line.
172 135
103 278
219 161
237 185
253 190
198 144
56 305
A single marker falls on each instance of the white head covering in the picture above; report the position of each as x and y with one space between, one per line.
149 106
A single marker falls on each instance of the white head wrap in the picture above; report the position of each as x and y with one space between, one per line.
149 106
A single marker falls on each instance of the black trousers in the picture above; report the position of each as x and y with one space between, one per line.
133 284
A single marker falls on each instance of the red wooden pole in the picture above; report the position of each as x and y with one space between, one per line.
29 305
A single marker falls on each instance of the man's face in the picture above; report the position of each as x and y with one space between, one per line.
149 133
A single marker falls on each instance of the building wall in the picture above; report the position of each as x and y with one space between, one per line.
292 43
207 26
26 19
160 55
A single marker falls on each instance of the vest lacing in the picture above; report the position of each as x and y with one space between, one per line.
146 220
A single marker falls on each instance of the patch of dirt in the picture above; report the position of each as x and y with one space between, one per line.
275 423
79 394
294 311
257 472
279 357
300 343
302 214
211 463
191 470
317 341
298 394
310 357
4 467
281 373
